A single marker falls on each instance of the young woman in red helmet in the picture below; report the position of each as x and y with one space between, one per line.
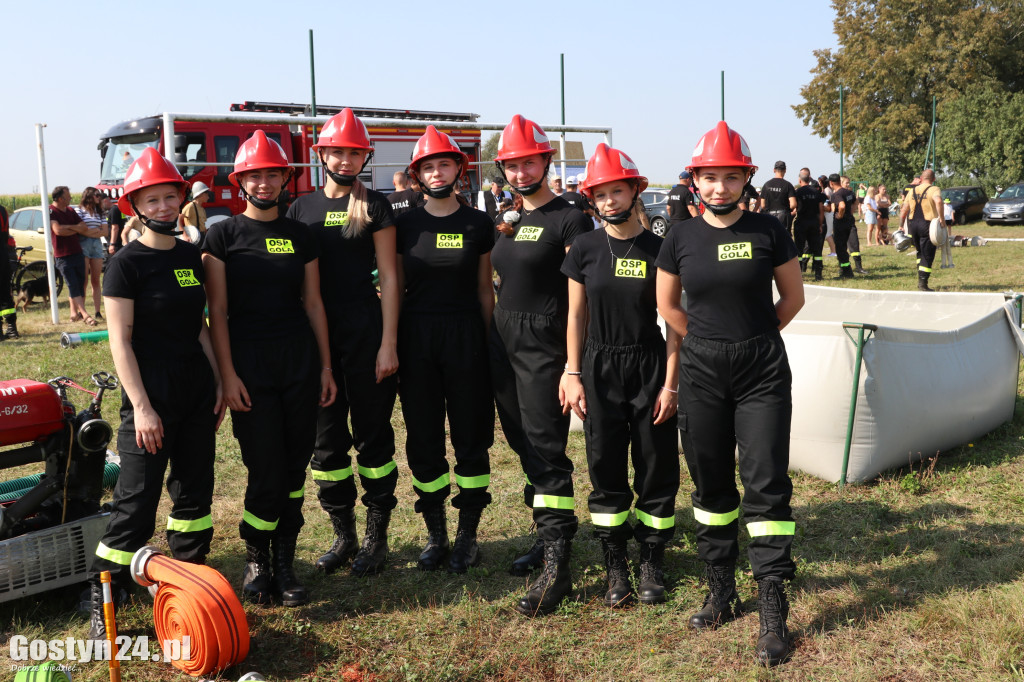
527 345
270 335
444 252
735 384
170 395
621 378
355 229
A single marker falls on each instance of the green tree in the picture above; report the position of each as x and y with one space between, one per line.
980 138
487 154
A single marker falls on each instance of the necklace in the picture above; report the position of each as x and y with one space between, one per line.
615 258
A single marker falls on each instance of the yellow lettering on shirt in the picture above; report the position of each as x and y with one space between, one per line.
449 241
631 267
186 278
336 219
280 246
529 234
735 251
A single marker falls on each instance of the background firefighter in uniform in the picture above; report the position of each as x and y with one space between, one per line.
355 229
270 335
171 402
444 252
527 345
843 204
735 384
922 205
8 313
853 209
622 381
778 197
194 213
809 225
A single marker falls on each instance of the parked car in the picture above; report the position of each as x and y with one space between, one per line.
1008 207
27 230
656 208
967 202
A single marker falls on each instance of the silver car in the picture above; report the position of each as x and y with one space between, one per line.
1008 207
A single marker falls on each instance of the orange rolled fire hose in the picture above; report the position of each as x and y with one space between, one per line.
196 602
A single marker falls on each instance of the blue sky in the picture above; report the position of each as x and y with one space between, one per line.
650 70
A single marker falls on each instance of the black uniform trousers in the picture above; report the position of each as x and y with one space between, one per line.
841 231
784 217
920 231
442 368
355 335
527 360
809 238
853 242
282 377
739 395
6 299
621 385
183 395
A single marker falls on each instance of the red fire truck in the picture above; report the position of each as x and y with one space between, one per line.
197 143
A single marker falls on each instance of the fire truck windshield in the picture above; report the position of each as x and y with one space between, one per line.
118 154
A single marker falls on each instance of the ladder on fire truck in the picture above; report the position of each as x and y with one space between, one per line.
361 112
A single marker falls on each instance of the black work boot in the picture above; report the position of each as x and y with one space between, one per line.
652 577
345 542
845 272
922 281
531 561
285 585
465 551
256 576
11 326
858 267
773 642
374 552
616 562
817 267
722 603
437 539
553 584
803 265
97 623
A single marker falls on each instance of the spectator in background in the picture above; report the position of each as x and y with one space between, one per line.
870 210
680 204
749 195
573 197
883 203
404 198
194 215
556 186
826 189
490 200
115 228
66 226
90 212
8 313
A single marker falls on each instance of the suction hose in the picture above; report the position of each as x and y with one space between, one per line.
195 602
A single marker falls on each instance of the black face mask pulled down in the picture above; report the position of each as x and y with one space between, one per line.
167 227
442 192
341 178
263 204
722 209
619 218
532 188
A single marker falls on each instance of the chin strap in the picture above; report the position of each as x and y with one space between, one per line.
619 218
167 227
341 178
530 189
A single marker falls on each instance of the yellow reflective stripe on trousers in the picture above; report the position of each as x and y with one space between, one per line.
759 529
921 268
481 481
377 472
335 475
301 492
440 482
258 523
657 522
609 520
189 525
9 311
712 519
552 502
114 555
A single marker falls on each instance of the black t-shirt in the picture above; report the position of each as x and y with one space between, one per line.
727 274
679 198
575 199
621 296
404 201
776 193
808 199
265 265
115 217
346 263
167 288
849 213
441 259
529 262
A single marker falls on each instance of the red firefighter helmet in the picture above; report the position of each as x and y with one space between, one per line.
259 152
608 165
522 137
148 170
721 146
344 129
434 142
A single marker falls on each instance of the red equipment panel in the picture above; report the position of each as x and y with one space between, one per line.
29 410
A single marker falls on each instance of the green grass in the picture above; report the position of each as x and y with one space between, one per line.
915 576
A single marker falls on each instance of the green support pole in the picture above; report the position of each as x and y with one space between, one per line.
860 327
840 129
934 141
312 86
562 67
723 95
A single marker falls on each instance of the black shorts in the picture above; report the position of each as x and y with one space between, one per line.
73 269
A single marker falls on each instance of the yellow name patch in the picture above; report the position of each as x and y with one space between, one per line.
631 267
529 234
735 251
186 278
449 241
280 246
336 219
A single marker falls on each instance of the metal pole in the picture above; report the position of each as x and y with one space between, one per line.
561 136
169 137
723 95
840 129
44 205
315 172
934 139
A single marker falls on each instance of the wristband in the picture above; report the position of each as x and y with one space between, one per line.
666 388
574 374
327 369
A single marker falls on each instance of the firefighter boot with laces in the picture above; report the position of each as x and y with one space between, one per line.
773 642
652 576
256 576
465 551
722 603
616 562
11 326
285 585
437 539
345 544
531 561
374 552
553 584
